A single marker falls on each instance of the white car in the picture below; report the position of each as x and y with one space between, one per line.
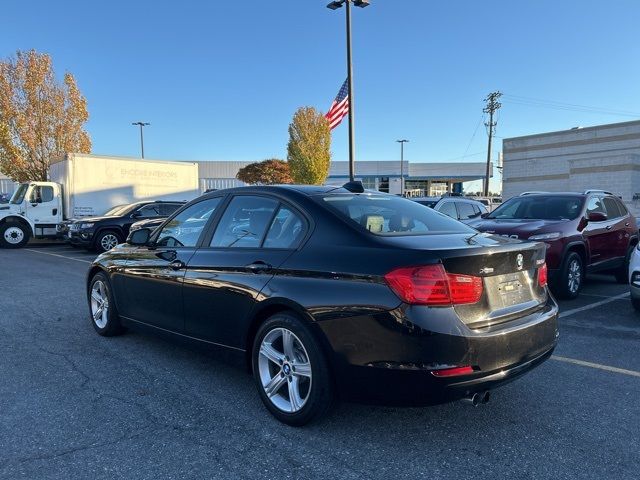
634 277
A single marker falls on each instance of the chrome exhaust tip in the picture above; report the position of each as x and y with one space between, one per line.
478 398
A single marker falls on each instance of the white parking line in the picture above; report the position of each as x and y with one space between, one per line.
606 368
566 313
56 255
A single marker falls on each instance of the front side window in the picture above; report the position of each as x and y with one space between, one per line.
149 211
449 209
184 229
167 209
554 207
390 215
41 194
244 222
595 205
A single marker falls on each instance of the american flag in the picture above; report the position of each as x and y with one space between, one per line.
340 106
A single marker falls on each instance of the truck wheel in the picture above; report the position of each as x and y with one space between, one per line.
571 276
14 235
106 240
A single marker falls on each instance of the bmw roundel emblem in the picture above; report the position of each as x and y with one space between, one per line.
519 261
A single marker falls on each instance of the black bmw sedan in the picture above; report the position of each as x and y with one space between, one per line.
332 293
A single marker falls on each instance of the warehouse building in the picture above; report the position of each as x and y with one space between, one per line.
421 179
603 157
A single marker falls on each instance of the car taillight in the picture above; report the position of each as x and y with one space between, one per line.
543 275
432 285
452 372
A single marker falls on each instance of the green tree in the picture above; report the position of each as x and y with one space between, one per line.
309 148
40 119
268 172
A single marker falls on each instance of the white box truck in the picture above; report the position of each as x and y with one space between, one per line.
86 185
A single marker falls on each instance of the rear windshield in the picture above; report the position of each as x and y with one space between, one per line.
391 216
540 207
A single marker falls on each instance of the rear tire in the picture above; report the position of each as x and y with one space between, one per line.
622 274
106 240
102 308
14 234
291 371
570 276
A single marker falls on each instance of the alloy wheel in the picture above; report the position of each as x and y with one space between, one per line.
285 370
13 235
99 304
574 276
108 241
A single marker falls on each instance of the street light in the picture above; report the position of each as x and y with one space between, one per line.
402 142
141 124
336 4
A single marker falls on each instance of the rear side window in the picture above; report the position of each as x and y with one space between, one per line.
149 211
286 230
466 211
613 210
622 207
390 215
449 209
245 222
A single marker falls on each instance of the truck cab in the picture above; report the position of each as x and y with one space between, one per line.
33 211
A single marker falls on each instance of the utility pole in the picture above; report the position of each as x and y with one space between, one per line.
334 5
492 106
141 124
402 142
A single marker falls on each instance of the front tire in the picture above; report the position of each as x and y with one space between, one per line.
107 240
102 308
291 371
14 234
570 277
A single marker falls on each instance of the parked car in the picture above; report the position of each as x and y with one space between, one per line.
459 208
105 232
584 232
328 292
634 278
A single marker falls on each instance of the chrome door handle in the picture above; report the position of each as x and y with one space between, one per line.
626 224
608 227
177 265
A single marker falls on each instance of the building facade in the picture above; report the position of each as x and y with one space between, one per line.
420 179
603 157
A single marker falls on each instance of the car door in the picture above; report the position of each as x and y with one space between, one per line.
597 234
153 275
224 279
618 236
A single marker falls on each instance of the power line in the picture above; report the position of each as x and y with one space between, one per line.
555 105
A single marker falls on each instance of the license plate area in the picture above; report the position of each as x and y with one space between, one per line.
512 290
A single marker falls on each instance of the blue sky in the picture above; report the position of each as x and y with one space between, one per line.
220 80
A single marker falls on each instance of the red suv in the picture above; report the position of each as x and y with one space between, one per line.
584 232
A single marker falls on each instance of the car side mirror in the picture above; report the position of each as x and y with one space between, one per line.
596 217
139 237
135 214
484 215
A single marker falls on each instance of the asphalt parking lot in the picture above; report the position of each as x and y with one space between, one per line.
76 405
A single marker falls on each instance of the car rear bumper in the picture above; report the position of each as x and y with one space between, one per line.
390 360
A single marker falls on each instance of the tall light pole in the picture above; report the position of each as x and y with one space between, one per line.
142 125
492 106
402 142
334 6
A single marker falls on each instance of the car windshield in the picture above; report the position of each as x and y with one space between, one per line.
391 216
117 210
18 195
540 208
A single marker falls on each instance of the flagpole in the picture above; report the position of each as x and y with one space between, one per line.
352 153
